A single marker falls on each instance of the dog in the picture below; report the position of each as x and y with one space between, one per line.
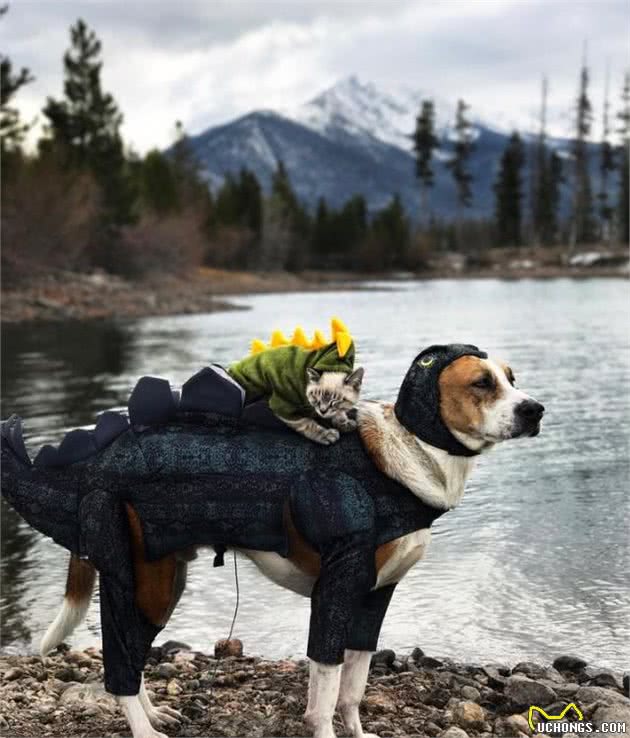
477 406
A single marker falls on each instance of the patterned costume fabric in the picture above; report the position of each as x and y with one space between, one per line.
222 478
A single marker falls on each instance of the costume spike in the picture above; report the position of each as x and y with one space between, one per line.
257 346
319 340
338 326
343 341
299 338
278 339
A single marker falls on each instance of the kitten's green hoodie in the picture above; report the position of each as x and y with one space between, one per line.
279 375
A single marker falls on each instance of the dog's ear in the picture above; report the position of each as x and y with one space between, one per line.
355 379
313 375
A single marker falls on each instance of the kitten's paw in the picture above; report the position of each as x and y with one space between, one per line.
347 425
328 436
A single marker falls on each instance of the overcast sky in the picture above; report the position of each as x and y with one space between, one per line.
207 62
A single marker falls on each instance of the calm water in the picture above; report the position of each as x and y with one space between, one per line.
534 562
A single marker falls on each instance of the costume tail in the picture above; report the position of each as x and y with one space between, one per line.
46 498
79 586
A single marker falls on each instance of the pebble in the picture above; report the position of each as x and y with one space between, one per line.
587 695
224 647
167 670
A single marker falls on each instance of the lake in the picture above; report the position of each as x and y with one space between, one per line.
536 560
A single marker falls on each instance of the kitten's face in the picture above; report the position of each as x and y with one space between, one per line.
333 392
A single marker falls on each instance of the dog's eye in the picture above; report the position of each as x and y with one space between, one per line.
484 382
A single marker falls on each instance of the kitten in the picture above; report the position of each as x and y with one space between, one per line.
332 395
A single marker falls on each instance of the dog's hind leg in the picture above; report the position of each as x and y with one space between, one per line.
161 716
76 601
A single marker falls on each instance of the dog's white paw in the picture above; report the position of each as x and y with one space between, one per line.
161 716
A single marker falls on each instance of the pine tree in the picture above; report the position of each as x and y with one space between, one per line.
462 150
624 167
12 129
606 167
424 143
582 228
509 193
85 125
540 174
158 183
391 231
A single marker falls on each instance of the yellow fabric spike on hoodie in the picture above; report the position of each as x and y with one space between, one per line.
343 340
319 340
257 346
278 339
338 326
299 338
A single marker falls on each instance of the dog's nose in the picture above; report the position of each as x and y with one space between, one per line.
530 410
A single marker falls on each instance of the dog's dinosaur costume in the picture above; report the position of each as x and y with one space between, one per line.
204 469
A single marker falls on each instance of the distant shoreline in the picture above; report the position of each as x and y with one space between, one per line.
61 295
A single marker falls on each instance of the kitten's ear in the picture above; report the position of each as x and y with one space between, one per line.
313 375
355 379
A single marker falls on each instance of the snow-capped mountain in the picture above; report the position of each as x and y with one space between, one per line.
354 139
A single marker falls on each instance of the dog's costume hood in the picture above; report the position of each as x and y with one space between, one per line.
418 403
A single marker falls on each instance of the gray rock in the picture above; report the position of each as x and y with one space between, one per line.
385 657
495 678
454 732
569 663
428 662
174 646
587 695
417 654
618 713
167 670
470 693
568 689
12 674
602 677
523 692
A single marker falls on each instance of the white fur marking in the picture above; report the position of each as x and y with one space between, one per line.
409 550
354 676
323 690
66 620
281 571
137 718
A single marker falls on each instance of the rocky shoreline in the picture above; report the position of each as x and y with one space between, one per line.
236 695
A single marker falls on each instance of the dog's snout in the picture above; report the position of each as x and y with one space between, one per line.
530 410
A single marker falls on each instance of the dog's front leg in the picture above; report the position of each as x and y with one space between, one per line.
354 676
137 718
323 689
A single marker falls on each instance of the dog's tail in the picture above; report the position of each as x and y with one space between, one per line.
79 586
46 498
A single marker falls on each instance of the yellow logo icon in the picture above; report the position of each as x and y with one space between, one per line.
534 708
427 361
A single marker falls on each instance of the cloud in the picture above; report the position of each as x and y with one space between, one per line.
206 62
